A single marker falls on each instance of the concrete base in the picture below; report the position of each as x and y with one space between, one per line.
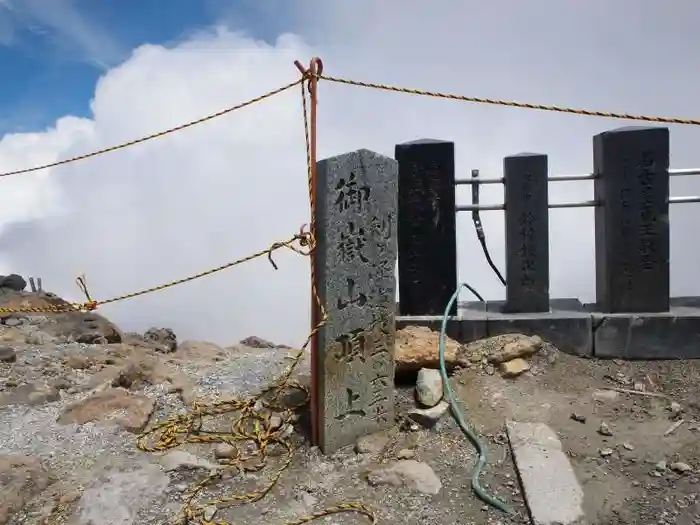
567 326
578 329
667 335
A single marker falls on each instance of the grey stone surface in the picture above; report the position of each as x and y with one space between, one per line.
527 233
632 235
355 261
567 326
426 217
552 493
660 335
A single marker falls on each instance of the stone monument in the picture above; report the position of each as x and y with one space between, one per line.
427 226
355 261
632 237
527 233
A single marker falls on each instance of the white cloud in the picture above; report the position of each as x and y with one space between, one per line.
196 199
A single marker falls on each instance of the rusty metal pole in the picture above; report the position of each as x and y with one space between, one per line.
312 74
315 313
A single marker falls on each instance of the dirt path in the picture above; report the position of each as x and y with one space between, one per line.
617 442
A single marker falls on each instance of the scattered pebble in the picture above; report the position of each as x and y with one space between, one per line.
428 417
209 512
371 444
406 453
675 409
578 417
225 451
680 467
674 427
604 429
7 354
408 473
605 395
429 387
514 367
180 459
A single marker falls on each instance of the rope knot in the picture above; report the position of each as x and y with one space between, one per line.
306 239
313 72
90 306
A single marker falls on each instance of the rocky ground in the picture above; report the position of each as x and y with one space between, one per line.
76 393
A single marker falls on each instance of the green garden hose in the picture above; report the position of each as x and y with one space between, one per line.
459 417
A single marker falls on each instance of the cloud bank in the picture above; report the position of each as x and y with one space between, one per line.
219 191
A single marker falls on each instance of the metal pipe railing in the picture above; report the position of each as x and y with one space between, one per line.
580 204
684 200
571 178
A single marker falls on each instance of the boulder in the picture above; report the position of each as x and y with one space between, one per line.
21 479
417 347
257 342
83 327
129 411
502 348
164 339
199 351
13 282
60 321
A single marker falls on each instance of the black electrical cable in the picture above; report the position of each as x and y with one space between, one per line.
472 290
482 240
476 218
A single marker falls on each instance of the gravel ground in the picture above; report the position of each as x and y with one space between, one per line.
102 478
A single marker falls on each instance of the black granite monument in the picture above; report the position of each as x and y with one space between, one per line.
426 226
527 233
631 221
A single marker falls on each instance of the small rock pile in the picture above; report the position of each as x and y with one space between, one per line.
507 353
417 349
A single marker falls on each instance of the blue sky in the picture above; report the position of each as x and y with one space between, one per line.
53 51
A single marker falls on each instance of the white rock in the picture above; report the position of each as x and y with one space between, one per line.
428 417
414 475
209 512
177 459
680 467
429 387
